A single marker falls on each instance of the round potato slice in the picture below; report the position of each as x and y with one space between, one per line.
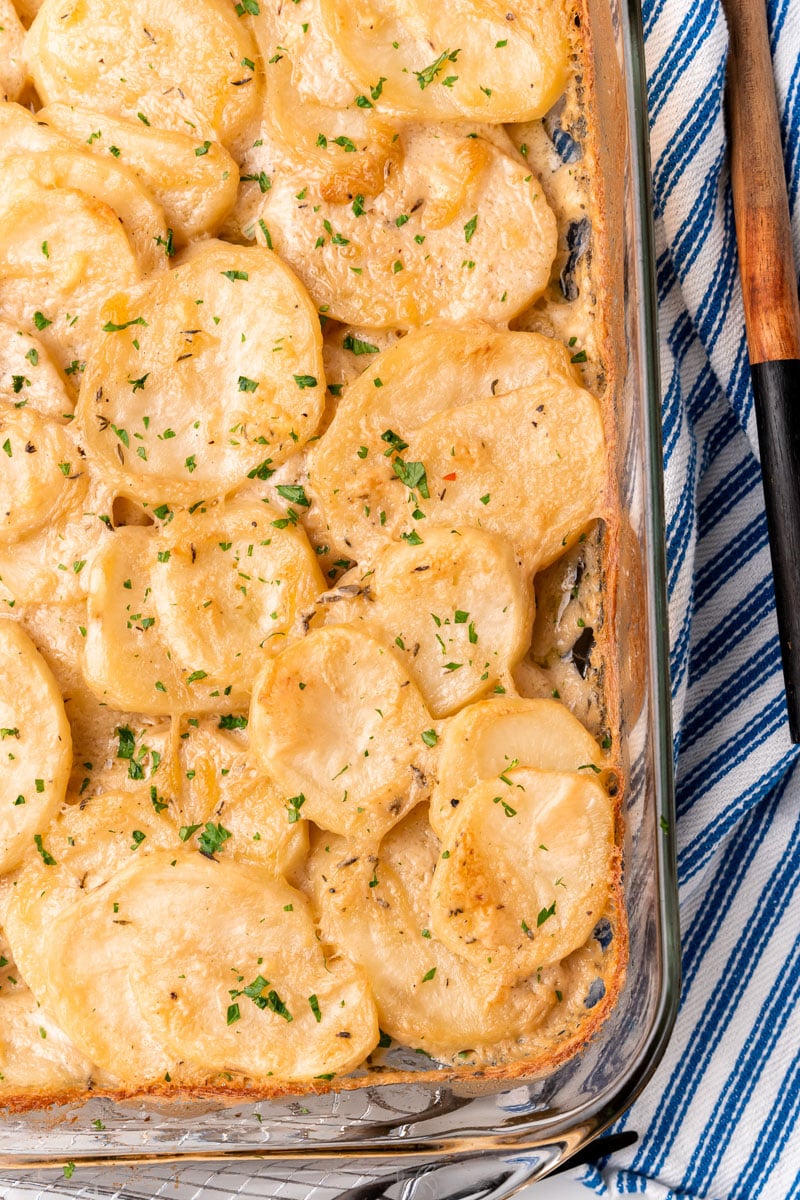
35 745
35 1056
56 295
489 738
28 377
205 376
82 849
217 784
13 71
426 371
376 908
454 636
466 443
550 435
87 988
42 474
439 62
194 181
525 872
366 763
459 229
228 586
196 607
137 61
33 150
229 974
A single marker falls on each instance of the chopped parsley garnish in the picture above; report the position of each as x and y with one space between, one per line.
231 721
357 346
293 805
430 737
313 1004
429 975
294 493
201 150
428 74
545 914
470 227
305 381
112 327
247 385
47 857
413 475
41 321
212 839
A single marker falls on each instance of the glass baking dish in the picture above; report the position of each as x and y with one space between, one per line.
476 1137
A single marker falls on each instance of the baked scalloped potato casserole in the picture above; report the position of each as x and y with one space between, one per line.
307 749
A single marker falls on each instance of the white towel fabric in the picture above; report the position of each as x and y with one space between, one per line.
720 1118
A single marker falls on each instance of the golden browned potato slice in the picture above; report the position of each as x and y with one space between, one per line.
489 738
30 150
477 59
375 907
81 850
35 1056
214 781
35 745
42 474
525 871
455 636
194 180
28 377
138 61
61 254
228 586
203 377
53 509
457 447
13 71
229 973
195 606
459 229
366 763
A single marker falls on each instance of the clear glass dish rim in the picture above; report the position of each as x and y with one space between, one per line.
576 1129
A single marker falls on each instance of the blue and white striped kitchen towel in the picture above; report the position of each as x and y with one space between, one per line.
721 1118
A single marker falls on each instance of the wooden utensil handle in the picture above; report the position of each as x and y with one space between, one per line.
769 281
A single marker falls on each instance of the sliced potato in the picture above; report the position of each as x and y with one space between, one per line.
35 745
42 475
82 849
435 57
204 376
137 61
459 229
210 779
194 181
228 586
29 149
366 763
35 1056
54 511
524 876
13 70
28 376
87 988
196 605
489 738
229 973
375 907
454 636
467 439
550 435
57 295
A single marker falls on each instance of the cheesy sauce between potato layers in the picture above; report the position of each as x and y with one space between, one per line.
306 761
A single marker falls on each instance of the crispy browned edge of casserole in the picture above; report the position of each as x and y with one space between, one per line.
619 642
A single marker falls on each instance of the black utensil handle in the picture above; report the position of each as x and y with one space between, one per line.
777 393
